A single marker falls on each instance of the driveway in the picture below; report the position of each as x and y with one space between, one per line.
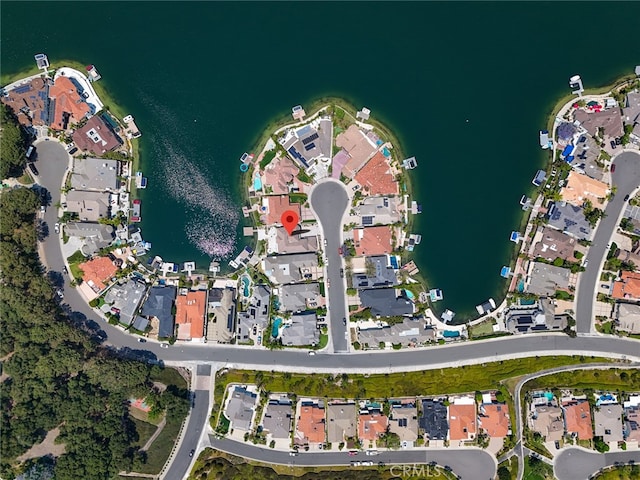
579 464
329 201
626 178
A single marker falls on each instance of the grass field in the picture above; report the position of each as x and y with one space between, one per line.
145 430
625 472
170 376
511 466
482 328
537 470
612 379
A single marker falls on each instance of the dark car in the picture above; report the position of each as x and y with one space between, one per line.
613 167
73 150
618 141
344 320
626 197
64 270
191 453
342 273
613 144
33 168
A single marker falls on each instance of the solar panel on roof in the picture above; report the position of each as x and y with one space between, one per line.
230 323
309 147
22 89
367 220
310 138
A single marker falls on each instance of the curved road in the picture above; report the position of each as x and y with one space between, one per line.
329 201
580 464
626 178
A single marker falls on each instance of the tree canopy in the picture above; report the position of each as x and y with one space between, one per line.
13 144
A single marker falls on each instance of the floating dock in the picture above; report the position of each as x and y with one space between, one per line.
131 130
246 157
92 71
363 114
135 213
486 307
297 112
416 208
409 163
435 295
447 316
141 182
540 177
545 141
515 237
42 61
505 272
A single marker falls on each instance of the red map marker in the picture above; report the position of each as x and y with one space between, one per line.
289 220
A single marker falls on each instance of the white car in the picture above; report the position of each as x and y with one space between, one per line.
311 352
293 454
164 345
372 452
367 464
56 227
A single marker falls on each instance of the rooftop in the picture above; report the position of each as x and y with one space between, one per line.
96 137
547 421
434 419
291 268
341 421
494 419
404 422
126 298
462 422
277 419
628 316
301 330
628 287
30 102
609 119
578 418
280 175
570 219
190 311
96 271
310 424
581 187
373 240
554 244
90 206
159 304
358 146
240 408
69 106
371 425
277 205
286 243
379 210
385 302
379 273
631 110
608 422
377 177
545 279
95 174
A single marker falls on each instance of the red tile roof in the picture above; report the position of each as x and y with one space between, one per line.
578 419
462 422
495 419
96 137
373 240
628 287
278 204
311 423
67 100
376 176
371 426
190 310
97 270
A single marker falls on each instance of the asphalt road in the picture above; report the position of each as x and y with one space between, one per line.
470 463
197 421
626 178
579 464
329 201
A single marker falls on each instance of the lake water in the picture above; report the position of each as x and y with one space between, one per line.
466 87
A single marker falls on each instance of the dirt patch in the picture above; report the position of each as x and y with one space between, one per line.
46 447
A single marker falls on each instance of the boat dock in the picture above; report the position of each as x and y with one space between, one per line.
411 268
416 208
242 258
297 112
131 130
92 71
246 157
486 307
413 240
435 295
409 163
141 182
447 316
135 213
42 61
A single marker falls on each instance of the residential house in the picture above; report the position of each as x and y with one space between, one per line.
462 419
386 302
90 206
403 421
256 315
580 188
279 241
577 416
357 146
298 297
410 332
609 120
628 317
125 297
309 143
67 104
586 157
190 311
298 267
300 330
95 235
372 424
377 176
628 287
632 424
608 422
281 176
97 271
277 418
378 273
341 422
95 174
552 244
434 419
240 408
96 137
631 109
544 279
373 240
570 219
159 305
30 102
310 424
627 256
535 318
547 421
379 210
276 205
493 419
222 305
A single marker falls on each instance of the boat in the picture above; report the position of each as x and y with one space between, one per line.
135 214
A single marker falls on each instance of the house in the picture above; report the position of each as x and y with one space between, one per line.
97 271
240 408
222 305
379 210
96 137
341 422
609 120
631 109
90 206
580 188
628 287
462 419
545 279
569 219
276 205
378 273
410 332
628 317
279 241
403 421
277 418
377 176
30 102
373 240
281 175
586 157
493 418
159 305
256 315
547 421
67 104
577 416
298 267
386 302
540 317
95 174
126 298
357 146
310 423
95 235
632 424
608 422
433 419
372 424
552 244
309 143
190 310
300 330
298 297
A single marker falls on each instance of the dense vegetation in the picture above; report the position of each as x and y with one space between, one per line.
54 374
13 144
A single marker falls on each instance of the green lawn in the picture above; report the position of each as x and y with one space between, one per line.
612 379
161 447
511 466
537 470
170 376
482 328
145 430
625 472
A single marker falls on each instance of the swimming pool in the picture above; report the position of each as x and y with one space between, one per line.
409 294
386 152
276 327
246 282
257 183
548 396
521 286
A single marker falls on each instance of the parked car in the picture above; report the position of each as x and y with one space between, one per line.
613 144
64 270
626 197
141 340
33 168
311 353
293 454
43 209
344 320
325 242
30 151
191 453
73 150
618 141
372 452
56 227
60 294
342 273
613 167
164 345
353 453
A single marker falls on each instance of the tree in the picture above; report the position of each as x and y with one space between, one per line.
13 144
504 473
627 224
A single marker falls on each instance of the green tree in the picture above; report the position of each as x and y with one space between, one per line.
13 144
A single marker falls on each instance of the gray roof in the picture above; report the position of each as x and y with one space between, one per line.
96 235
295 243
628 316
570 219
240 408
159 304
298 297
554 244
257 313
433 419
383 302
631 110
609 119
585 155
546 279
409 331
380 210
277 418
95 174
290 268
608 422
341 421
534 319
301 331
126 297
403 421
383 276
90 206
140 323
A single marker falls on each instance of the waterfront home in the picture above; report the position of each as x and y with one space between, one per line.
96 137
291 268
434 420
30 102
577 416
628 317
301 329
190 312
358 146
544 279
240 407
547 421
256 315
628 287
68 105
569 219
535 318
125 298
95 174
159 306
403 421
410 332
610 120
565 132
90 206
310 143
462 419
221 312
580 188
310 424
586 157
97 271
373 240
94 235
386 302
377 177
279 241
277 419
276 205
372 424
608 422
281 177
297 297
379 210
341 421
378 273
551 244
